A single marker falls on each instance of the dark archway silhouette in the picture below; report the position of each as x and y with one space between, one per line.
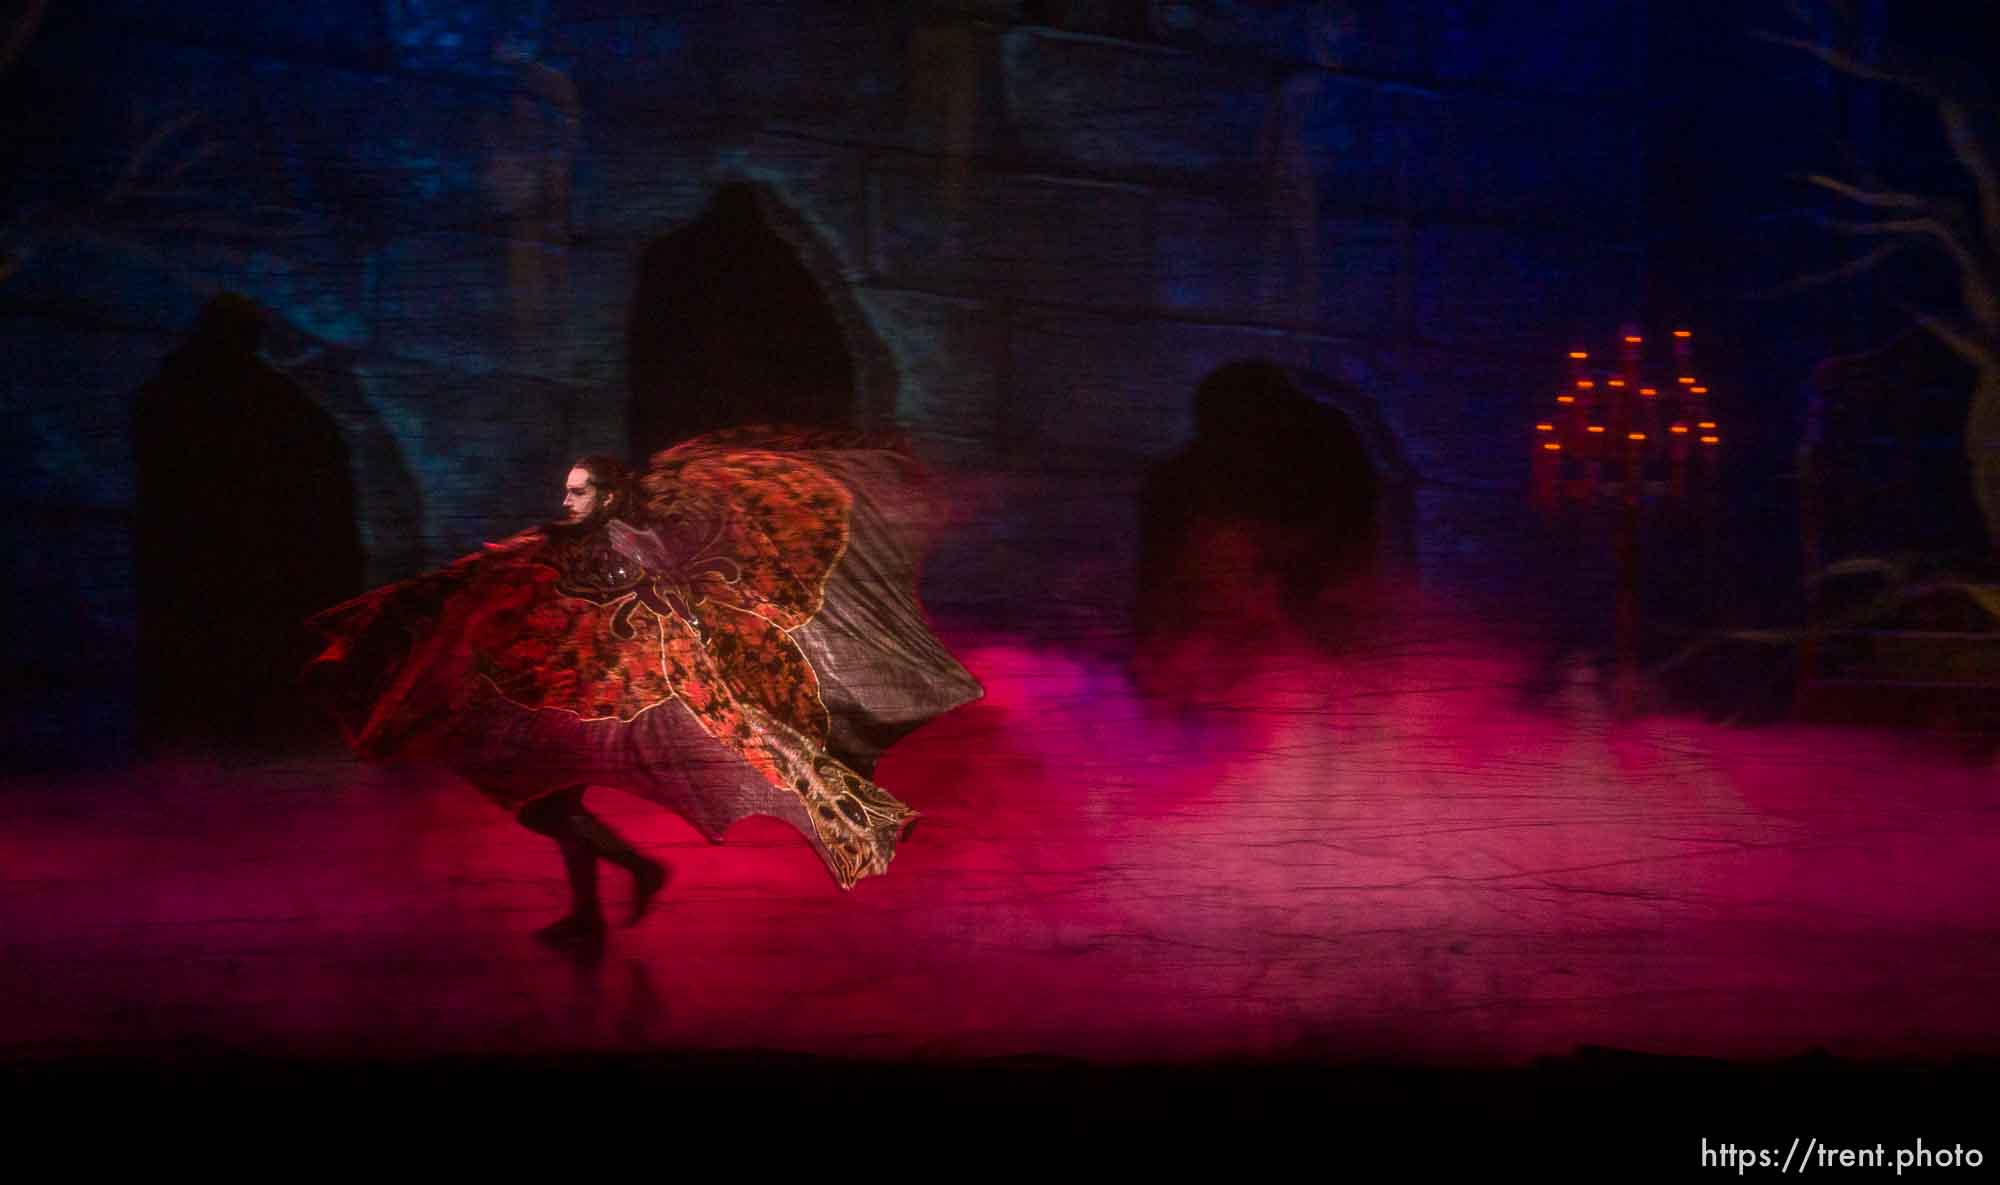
730 327
390 505
245 526
1275 517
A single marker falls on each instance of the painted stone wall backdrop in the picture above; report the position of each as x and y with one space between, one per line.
1040 226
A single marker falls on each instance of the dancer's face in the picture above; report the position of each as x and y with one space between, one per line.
581 497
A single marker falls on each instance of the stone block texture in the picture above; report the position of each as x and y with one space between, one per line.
1045 224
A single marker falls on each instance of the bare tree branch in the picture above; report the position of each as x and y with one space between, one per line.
1966 145
1966 339
1976 334
1873 197
1850 65
137 163
1978 288
206 150
136 212
1972 153
1852 267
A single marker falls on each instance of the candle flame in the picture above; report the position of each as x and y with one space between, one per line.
1681 428
1706 424
1635 436
1699 390
1586 384
1552 446
1711 440
1545 427
1597 427
1633 341
1686 380
1682 333
1565 399
1649 390
1579 355
1617 382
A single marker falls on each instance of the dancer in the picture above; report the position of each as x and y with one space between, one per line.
737 632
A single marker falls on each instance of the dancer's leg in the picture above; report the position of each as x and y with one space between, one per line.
585 840
553 815
649 876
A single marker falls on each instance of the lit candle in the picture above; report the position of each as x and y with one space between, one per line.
1547 470
1677 459
1632 343
1635 464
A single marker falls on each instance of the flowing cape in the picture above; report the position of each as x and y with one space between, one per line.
751 646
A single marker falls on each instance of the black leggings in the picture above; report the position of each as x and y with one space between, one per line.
562 817
552 814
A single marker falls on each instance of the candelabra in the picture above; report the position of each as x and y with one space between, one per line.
1624 431
1635 438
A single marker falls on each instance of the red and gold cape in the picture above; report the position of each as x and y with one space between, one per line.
749 645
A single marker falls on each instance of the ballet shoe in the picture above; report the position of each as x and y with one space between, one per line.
572 932
647 881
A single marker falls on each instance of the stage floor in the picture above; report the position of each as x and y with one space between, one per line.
1398 860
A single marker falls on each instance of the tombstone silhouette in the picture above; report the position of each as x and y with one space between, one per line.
245 525
1265 519
729 327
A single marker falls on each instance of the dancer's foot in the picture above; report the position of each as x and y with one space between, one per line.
576 931
648 879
